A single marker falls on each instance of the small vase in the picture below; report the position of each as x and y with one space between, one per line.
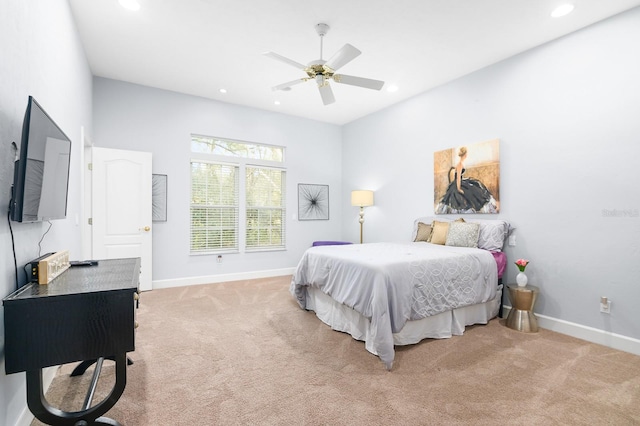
521 279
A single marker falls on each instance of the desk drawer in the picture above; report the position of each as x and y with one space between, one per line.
57 330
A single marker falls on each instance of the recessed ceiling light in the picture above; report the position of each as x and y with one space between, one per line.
276 102
130 4
392 88
223 90
562 10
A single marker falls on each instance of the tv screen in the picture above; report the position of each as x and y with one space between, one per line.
41 176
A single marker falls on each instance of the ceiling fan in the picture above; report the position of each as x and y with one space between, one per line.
322 71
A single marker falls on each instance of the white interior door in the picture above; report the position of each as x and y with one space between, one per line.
121 207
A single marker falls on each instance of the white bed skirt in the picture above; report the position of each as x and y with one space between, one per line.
442 326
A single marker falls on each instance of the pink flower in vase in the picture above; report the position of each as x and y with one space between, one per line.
521 264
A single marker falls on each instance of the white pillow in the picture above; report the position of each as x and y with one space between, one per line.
493 233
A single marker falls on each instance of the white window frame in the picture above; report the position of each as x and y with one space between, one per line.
242 163
283 208
238 210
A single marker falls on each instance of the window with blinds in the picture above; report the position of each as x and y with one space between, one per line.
214 207
265 208
238 200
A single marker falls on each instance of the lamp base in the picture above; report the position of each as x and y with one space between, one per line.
361 222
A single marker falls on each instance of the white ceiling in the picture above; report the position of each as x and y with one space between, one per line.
200 46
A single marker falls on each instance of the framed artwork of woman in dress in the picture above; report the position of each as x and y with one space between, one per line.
467 179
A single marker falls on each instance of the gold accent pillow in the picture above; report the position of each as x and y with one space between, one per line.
439 232
424 232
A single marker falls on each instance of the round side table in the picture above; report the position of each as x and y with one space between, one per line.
521 316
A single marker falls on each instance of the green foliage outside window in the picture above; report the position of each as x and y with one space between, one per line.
216 202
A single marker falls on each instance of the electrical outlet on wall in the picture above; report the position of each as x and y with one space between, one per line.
512 241
605 305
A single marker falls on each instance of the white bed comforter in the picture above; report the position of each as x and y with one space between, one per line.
391 283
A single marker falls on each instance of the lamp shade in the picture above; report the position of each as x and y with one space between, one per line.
362 198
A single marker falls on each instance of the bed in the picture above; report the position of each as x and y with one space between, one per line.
389 294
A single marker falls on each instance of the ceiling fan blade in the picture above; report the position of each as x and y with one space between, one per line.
342 57
287 85
327 94
358 81
285 60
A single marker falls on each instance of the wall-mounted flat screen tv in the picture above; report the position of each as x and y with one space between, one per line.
41 176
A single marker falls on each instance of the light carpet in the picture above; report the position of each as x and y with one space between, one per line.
244 353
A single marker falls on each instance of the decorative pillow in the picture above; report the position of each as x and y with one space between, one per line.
493 234
424 232
429 220
424 219
463 234
439 232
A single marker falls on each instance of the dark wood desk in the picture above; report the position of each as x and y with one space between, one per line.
86 313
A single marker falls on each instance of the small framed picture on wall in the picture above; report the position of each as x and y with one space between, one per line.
313 202
159 198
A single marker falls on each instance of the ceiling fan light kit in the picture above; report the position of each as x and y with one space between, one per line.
322 71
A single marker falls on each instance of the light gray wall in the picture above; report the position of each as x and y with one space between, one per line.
568 118
129 116
566 114
40 55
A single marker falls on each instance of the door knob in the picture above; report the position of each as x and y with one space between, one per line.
147 228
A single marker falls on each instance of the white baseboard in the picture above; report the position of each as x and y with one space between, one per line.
26 417
214 279
590 334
